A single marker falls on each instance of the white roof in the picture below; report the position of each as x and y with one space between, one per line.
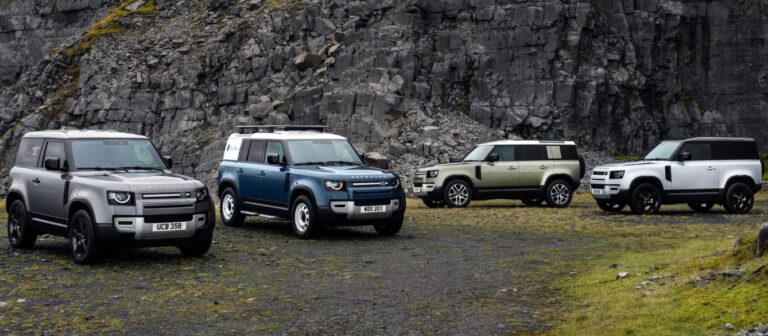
529 142
288 135
82 134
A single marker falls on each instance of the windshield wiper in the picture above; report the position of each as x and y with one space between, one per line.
310 163
101 168
343 163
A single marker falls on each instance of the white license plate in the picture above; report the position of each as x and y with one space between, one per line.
175 226
416 189
597 191
374 209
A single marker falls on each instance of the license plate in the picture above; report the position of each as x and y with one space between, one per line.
597 191
175 226
374 209
416 189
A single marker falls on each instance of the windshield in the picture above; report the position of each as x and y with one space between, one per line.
322 152
478 154
115 154
663 151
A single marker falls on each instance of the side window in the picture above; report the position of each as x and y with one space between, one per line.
733 150
554 153
256 152
56 149
29 151
699 151
531 153
506 153
569 152
275 148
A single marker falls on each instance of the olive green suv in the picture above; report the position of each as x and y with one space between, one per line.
532 171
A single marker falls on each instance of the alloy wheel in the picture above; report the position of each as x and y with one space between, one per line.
458 194
740 200
560 194
79 238
14 224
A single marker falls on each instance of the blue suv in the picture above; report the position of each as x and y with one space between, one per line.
308 176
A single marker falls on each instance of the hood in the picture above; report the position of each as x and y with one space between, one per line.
146 181
629 164
351 172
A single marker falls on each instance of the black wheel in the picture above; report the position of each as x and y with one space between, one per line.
82 239
646 199
701 206
304 219
532 201
20 234
457 194
433 203
230 210
558 193
199 247
611 206
392 226
739 198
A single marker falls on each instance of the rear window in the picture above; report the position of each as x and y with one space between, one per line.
256 152
29 151
735 150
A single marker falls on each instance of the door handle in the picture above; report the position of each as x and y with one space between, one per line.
240 171
711 168
262 173
512 168
36 181
543 167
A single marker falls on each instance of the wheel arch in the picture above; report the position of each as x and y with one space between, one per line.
464 178
561 176
77 205
13 196
298 191
223 185
646 179
748 180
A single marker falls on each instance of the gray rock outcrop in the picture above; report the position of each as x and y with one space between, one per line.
420 81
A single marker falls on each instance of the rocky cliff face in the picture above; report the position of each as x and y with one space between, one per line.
419 80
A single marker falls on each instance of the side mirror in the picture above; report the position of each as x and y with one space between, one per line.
494 157
53 163
168 161
685 156
273 159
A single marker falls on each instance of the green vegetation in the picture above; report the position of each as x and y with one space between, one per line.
626 157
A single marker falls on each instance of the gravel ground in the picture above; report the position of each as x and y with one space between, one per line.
258 279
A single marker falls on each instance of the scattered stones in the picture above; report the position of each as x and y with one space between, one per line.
613 266
728 326
762 241
306 61
622 275
760 330
3 304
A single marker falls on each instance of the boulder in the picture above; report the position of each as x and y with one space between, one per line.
306 61
378 160
762 241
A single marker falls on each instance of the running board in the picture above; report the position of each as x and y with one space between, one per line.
248 213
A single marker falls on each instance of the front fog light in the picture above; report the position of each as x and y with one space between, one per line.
433 173
120 198
334 185
202 194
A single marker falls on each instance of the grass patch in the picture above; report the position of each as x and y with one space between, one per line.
626 158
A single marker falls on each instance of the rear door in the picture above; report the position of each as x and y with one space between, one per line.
273 181
533 165
502 174
250 172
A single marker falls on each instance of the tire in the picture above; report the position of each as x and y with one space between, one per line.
229 209
701 206
20 232
457 194
610 206
304 220
392 226
82 239
532 201
645 199
558 194
739 198
198 248
433 203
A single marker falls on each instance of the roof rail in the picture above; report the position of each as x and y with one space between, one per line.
273 128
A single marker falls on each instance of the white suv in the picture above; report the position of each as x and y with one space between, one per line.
698 171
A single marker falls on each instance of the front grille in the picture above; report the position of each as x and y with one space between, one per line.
600 173
167 218
597 186
172 195
370 184
372 202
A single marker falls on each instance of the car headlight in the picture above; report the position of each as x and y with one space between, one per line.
617 174
334 185
396 183
202 194
432 173
120 198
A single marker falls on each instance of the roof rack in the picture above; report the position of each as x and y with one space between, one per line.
273 128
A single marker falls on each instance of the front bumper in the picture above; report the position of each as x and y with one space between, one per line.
604 189
351 211
425 189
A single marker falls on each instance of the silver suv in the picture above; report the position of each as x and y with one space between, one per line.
701 172
103 188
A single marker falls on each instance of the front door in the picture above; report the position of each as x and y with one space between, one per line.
49 189
499 176
696 178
